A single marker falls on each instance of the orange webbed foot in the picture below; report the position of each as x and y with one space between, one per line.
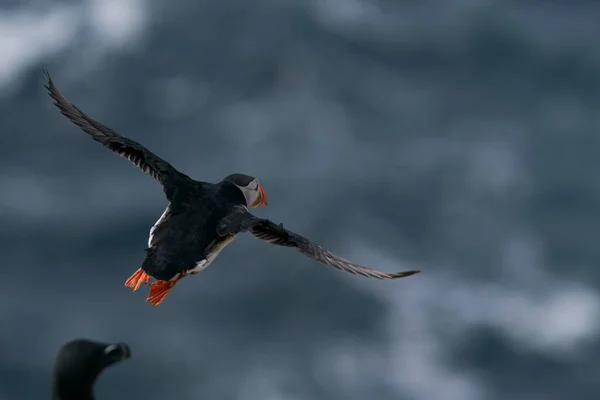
135 281
160 289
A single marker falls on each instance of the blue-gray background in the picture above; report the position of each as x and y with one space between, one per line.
460 137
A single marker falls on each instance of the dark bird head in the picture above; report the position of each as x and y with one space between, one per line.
253 192
78 365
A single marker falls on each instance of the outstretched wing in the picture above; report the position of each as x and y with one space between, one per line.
240 220
143 158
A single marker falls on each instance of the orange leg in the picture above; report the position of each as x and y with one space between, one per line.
136 280
160 289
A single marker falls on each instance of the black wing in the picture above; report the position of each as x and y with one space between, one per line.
240 220
143 158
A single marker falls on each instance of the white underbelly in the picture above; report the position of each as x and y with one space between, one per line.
160 220
203 264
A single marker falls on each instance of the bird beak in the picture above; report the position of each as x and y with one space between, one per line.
118 352
261 200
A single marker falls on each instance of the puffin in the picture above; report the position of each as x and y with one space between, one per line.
201 218
78 364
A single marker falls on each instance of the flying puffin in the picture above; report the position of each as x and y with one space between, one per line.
78 364
201 218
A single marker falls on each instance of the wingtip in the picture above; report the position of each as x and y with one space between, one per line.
406 273
49 85
48 79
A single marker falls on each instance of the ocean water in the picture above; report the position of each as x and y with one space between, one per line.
457 137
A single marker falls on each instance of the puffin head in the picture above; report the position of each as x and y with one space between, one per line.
253 192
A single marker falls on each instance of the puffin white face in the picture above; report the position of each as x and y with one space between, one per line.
254 193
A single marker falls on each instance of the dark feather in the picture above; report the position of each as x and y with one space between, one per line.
240 220
140 156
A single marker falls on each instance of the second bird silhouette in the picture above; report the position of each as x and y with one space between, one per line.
79 363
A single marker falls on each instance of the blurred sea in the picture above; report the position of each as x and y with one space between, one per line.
460 137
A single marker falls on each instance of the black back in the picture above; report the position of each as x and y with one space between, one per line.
190 227
239 179
79 363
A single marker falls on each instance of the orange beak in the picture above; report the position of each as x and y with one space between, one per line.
262 198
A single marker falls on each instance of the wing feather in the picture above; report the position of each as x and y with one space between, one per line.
137 154
240 220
